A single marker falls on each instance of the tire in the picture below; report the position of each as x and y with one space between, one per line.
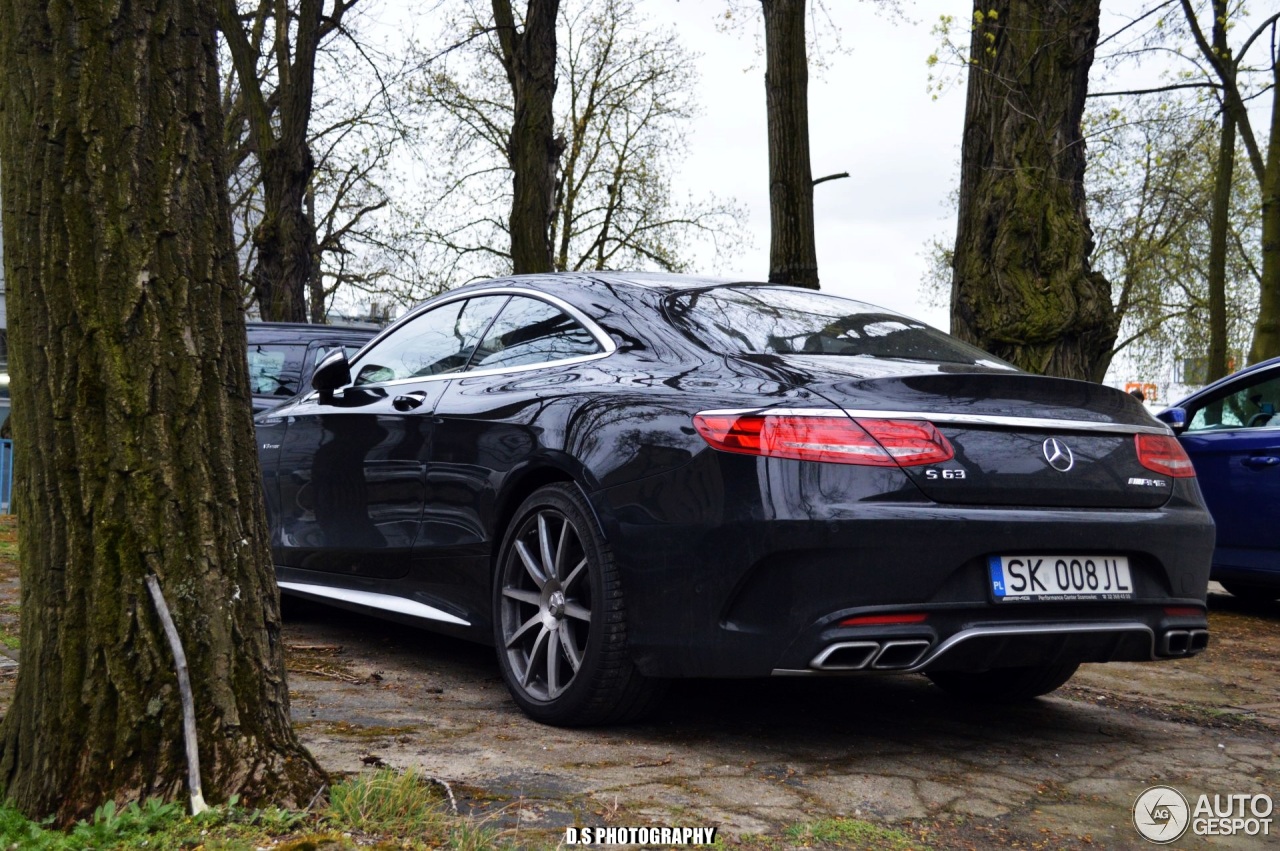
1004 685
560 626
1252 593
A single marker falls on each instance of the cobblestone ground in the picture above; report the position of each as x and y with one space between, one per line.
755 758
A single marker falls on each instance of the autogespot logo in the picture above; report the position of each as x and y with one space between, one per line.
1161 814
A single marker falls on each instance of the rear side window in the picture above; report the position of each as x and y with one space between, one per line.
531 331
785 320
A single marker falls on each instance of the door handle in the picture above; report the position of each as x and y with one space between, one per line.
1258 462
409 401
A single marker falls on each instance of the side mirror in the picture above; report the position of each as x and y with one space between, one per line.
332 372
1175 417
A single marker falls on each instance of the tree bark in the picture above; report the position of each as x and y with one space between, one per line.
529 57
1023 287
132 413
1266 334
793 256
1224 172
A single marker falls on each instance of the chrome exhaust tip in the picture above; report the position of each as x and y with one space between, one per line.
1175 642
900 654
846 656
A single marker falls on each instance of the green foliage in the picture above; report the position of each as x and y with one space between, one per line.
151 824
404 804
1150 185
847 833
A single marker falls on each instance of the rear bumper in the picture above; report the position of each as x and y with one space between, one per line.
745 567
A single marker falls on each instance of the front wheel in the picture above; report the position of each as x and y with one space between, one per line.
559 622
1004 685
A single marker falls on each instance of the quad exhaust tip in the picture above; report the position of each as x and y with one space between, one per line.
874 655
1184 642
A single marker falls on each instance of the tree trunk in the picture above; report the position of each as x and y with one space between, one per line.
285 238
793 257
1023 287
1223 174
1266 335
529 57
132 411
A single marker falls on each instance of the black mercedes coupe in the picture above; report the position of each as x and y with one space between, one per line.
618 479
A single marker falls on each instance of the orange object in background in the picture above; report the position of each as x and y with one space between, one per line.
1149 390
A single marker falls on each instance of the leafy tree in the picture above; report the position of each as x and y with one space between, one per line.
1228 68
1152 180
1023 286
132 407
623 102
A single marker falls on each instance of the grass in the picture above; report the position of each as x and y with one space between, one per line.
386 809
847 833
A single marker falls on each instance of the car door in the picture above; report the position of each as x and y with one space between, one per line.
1233 438
352 464
494 418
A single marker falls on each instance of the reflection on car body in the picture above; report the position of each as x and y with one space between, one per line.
618 479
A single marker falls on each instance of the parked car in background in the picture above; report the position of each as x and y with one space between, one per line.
622 478
283 355
1231 431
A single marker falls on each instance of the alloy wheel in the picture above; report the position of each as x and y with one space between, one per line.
546 604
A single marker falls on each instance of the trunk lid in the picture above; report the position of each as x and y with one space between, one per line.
1019 439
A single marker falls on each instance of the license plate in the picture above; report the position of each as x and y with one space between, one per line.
1046 579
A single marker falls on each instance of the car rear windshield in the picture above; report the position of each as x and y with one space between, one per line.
784 320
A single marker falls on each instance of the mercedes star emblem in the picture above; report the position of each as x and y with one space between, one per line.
1058 454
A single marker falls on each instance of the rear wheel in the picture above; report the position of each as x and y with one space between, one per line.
559 620
1004 685
1253 593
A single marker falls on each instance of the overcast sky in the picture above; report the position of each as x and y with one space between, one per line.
869 114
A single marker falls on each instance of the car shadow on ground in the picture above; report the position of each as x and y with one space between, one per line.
890 705
1223 601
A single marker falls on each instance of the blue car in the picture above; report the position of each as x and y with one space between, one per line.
1231 430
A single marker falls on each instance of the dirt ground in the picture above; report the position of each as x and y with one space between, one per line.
754 758
786 763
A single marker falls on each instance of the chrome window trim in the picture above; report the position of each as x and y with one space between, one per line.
1188 432
942 417
606 343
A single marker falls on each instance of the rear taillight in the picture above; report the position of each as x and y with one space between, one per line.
837 440
910 442
1162 453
